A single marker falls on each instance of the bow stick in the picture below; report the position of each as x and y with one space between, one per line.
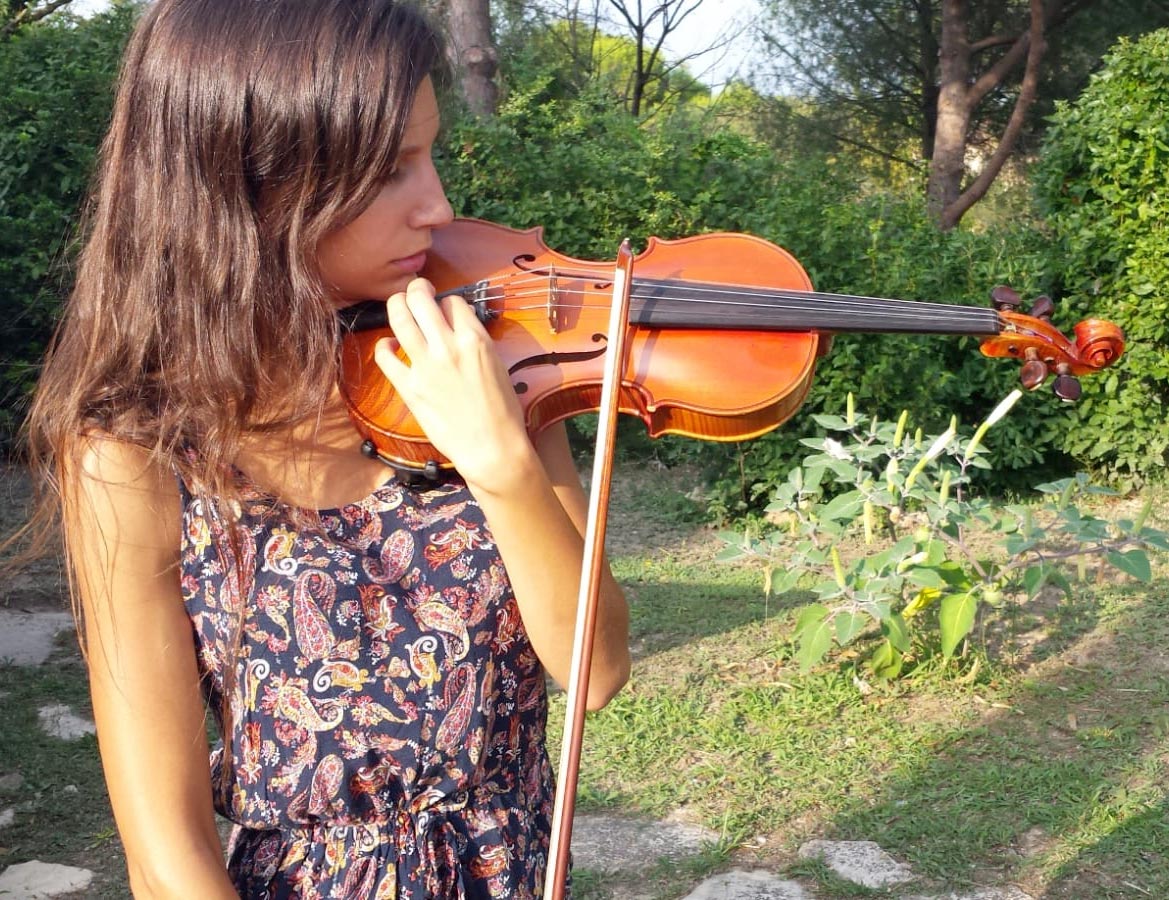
592 563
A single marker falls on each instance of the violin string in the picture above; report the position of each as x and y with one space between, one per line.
732 299
733 295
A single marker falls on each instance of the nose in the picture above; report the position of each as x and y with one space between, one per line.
433 210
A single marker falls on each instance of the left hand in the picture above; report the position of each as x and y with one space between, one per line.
443 364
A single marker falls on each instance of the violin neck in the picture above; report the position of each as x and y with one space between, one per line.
664 303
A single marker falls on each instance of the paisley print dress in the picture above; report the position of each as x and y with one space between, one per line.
387 711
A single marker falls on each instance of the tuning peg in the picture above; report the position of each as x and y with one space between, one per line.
1066 386
1034 371
1005 298
1043 307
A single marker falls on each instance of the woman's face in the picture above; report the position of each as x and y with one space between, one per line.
379 252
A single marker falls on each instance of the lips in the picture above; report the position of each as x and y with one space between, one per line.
412 264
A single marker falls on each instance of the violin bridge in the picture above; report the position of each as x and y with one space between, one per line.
553 302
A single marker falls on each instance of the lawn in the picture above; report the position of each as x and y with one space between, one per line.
1043 767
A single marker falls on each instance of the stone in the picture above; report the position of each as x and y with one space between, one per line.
60 721
739 884
612 844
861 862
26 638
37 880
7 817
1010 892
10 783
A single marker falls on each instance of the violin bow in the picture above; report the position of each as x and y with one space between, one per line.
588 599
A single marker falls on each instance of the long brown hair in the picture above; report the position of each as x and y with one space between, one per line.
243 132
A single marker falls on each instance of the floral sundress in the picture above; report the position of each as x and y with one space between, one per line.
387 709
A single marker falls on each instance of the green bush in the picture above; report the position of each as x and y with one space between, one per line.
1102 184
56 82
883 527
591 176
577 164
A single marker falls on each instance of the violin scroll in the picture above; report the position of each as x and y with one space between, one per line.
1044 350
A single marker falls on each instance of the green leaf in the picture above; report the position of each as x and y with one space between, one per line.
810 615
1033 579
848 626
832 423
730 554
784 580
846 506
926 578
1060 580
814 639
886 661
955 619
896 631
1133 562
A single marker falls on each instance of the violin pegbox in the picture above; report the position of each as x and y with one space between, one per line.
1032 338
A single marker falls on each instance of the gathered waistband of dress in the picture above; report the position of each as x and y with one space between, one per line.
439 809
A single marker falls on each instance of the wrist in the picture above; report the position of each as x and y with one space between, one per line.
515 470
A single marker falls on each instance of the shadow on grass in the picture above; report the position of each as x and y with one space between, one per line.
1061 788
671 613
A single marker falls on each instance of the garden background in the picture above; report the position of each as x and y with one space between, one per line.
1032 746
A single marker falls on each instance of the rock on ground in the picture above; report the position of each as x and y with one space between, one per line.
612 844
861 862
60 721
36 880
742 885
26 638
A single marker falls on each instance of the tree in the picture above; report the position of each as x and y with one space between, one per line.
962 81
623 45
649 32
473 53
16 14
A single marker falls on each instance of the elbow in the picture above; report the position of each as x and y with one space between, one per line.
147 882
604 687
204 878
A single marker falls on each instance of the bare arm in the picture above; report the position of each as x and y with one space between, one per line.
457 388
539 529
123 528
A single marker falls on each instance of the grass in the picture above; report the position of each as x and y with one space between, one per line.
1045 769
61 812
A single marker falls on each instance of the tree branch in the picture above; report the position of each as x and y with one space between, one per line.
1028 91
28 15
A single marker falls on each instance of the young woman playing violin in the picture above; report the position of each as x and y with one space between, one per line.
373 651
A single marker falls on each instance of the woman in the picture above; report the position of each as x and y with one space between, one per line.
373 652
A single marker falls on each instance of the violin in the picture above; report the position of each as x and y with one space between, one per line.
713 337
724 331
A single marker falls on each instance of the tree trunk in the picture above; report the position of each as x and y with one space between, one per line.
473 54
946 200
948 161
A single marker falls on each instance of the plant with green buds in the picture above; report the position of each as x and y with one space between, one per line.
924 588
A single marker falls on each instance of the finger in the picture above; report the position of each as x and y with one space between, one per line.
430 317
461 314
396 369
402 323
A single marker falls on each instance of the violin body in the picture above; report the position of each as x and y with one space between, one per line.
723 336
715 384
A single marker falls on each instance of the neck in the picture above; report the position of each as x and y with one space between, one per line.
664 303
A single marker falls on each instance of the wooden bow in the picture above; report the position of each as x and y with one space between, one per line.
592 565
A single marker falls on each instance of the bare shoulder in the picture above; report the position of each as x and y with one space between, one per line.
123 493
